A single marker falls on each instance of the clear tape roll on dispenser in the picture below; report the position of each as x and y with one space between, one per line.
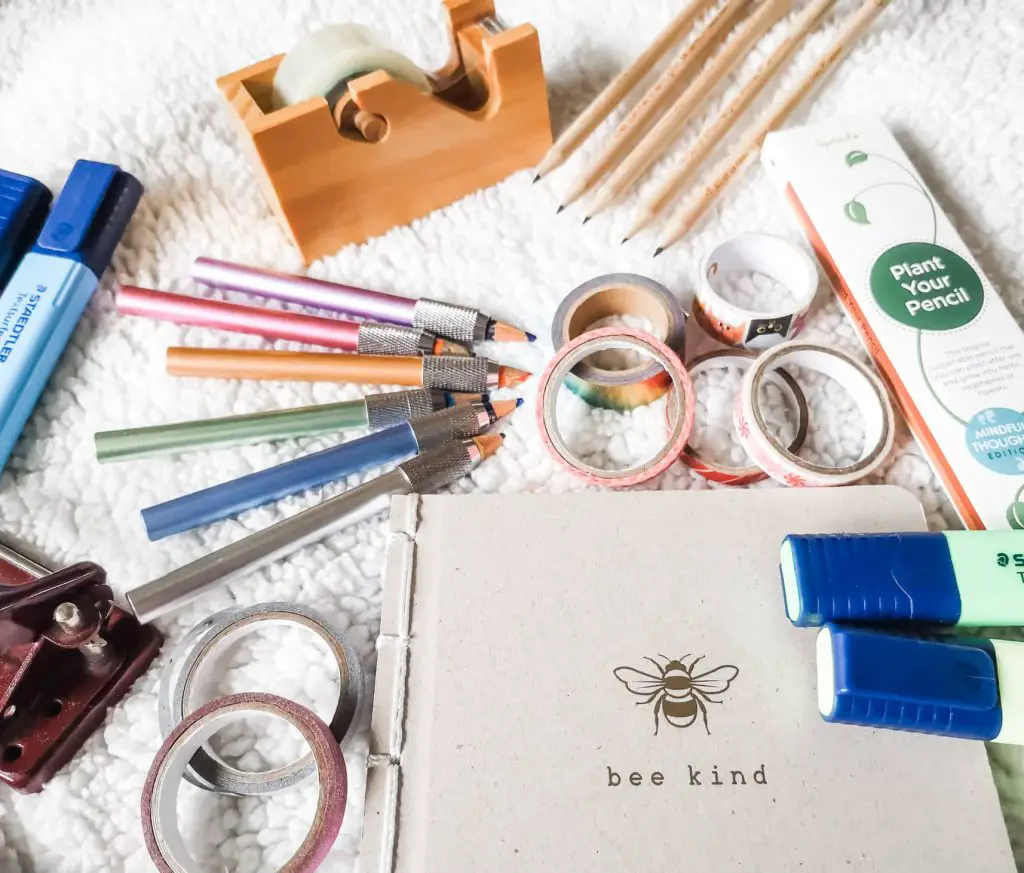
325 62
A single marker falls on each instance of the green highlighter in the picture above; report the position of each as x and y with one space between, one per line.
954 578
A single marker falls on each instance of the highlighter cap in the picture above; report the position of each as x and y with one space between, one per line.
947 687
23 206
869 578
90 215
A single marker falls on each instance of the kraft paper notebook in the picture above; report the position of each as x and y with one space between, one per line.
513 730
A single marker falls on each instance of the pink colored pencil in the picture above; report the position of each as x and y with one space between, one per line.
272 323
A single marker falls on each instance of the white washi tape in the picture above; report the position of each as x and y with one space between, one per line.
864 387
323 63
755 253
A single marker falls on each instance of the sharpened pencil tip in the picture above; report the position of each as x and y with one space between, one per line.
501 408
561 209
530 337
500 332
625 240
511 376
519 402
536 179
658 251
585 220
489 443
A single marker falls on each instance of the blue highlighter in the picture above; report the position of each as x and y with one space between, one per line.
54 282
23 206
962 687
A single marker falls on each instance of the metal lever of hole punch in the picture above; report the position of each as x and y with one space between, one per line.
67 654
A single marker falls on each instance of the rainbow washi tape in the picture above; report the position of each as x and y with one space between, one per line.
560 369
624 298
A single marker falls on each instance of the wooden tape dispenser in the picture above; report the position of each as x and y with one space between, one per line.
351 139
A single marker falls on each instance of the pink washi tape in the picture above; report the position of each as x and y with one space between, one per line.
160 794
786 466
561 366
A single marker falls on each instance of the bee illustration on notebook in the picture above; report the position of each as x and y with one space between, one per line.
765 332
679 695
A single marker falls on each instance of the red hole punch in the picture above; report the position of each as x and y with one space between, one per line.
67 654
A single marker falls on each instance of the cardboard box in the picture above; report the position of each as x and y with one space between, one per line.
947 346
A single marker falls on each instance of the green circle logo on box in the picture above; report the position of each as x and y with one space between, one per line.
926 286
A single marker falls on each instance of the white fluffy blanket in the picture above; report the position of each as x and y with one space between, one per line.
132 81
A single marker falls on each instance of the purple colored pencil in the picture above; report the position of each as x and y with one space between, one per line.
459 323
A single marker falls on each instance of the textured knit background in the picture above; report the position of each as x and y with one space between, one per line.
132 81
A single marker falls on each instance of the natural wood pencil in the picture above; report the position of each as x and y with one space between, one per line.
851 31
620 86
669 126
708 140
668 86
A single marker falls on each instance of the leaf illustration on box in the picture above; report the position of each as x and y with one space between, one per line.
855 211
855 157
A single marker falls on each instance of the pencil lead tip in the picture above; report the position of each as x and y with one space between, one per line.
561 209
625 240
519 402
530 337
536 179
658 251
585 220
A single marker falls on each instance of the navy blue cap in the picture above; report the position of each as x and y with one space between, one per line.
90 215
946 686
868 578
23 205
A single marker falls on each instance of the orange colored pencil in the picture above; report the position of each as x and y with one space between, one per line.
447 372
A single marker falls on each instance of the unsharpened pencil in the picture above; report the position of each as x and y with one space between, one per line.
851 31
669 126
710 138
620 86
669 84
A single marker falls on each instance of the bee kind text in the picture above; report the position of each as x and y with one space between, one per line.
703 777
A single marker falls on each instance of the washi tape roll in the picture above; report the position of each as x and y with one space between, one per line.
864 387
160 828
620 296
755 253
560 369
325 62
742 359
220 632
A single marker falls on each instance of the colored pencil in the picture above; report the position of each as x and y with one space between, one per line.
620 86
404 440
427 472
276 324
349 300
447 373
670 125
668 85
738 158
375 411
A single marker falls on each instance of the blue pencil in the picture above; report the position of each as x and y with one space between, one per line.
404 440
